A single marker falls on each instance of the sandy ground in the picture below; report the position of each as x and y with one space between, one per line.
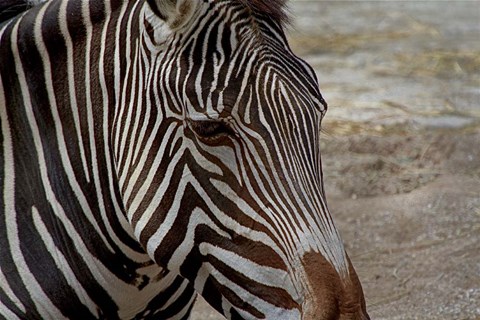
408 206
401 148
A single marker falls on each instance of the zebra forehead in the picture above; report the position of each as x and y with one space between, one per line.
275 9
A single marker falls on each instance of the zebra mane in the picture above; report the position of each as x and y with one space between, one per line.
276 9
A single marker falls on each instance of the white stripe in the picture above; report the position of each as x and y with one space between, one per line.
331 241
120 291
182 313
62 263
139 257
66 164
62 22
197 217
175 296
261 305
125 150
123 98
149 61
8 193
6 313
44 306
267 276
8 291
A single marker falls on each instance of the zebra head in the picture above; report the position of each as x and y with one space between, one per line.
229 193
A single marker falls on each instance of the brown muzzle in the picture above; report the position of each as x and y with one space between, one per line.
332 295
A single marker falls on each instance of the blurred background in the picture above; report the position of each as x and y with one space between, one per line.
401 147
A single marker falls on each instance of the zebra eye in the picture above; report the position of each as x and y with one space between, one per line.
210 129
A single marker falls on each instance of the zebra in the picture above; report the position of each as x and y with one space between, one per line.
152 150
11 8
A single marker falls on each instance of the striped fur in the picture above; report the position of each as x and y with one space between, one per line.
149 151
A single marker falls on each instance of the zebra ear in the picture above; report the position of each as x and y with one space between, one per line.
175 12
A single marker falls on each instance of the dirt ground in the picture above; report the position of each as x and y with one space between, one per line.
401 148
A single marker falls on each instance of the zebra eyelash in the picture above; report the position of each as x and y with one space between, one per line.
211 129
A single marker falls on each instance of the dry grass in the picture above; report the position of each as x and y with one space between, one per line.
339 43
441 64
